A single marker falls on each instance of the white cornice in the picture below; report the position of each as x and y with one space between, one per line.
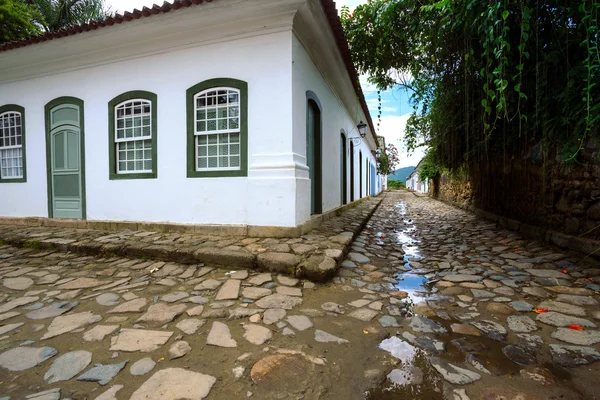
207 23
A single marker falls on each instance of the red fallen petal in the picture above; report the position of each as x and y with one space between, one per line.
517 249
590 279
540 310
575 327
564 271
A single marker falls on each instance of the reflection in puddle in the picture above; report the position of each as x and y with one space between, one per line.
413 378
399 349
413 284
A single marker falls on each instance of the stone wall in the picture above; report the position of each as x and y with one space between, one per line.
536 189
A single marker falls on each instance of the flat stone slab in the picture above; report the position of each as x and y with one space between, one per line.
99 332
279 301
364 314
465 329
273 315
7 328
134 305
577 300
257 334
173 297
300 322
482 294
68 365
255 293
22 358
21 301
108 299
548 273
324 337
20 283
139 340
431 344
426 325
261 279
162 313
573 356
521 324
519 354
359 258
81 283
491 329
190 326
102 373
175 384
562 320
179 349
142 367
220 336
462 278
229 291
68 323
52 310
209 284
51 394
452 373
583 338
563 308
111 393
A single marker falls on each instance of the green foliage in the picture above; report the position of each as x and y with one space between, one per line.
58 14
428 168
392 184
488 78
16 20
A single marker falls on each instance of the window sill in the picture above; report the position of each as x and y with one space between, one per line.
143 175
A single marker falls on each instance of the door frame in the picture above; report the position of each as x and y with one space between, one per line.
313 101
360 174
53 103
351 171
344 167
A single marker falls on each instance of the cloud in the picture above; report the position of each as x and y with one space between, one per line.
392 128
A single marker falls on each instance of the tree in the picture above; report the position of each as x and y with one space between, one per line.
501 88
58 14
16 20
388 159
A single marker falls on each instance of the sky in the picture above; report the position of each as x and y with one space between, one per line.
395 106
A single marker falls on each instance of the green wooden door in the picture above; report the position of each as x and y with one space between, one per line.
310 153
66 162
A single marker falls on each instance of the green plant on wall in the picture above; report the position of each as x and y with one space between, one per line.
489 79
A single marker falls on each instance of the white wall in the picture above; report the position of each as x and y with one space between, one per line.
335 117
265 197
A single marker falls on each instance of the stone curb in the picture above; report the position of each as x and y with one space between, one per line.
287 263
589 247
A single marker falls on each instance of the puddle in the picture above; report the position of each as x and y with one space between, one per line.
414 284
412 378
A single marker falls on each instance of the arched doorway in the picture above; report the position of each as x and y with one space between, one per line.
313 152
360 175
343 169
351 171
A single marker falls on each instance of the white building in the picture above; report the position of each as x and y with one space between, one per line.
230 112
413 181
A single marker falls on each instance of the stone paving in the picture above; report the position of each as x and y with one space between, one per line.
430 303
315 256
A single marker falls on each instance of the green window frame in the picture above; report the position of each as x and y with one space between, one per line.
12 139
123 146
198 138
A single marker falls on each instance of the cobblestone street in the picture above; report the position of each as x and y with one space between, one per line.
430 303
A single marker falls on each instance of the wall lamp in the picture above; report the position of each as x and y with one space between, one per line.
362 131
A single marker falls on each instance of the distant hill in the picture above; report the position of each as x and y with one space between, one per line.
401 174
